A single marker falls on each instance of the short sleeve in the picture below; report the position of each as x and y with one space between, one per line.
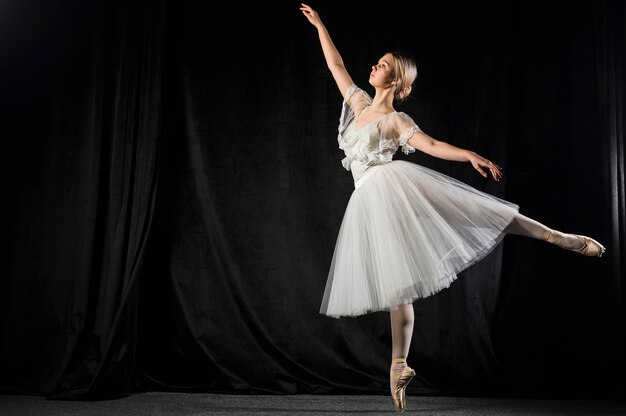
406 128
354 102
357 99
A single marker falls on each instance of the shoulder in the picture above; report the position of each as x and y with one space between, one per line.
401 115
356 99
402 119
355 93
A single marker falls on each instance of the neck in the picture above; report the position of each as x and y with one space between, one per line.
383 100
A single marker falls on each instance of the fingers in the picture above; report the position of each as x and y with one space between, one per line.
490 165
495 170
307 10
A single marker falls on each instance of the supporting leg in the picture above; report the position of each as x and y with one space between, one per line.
400 374
402 320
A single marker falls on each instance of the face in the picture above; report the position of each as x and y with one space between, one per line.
382 72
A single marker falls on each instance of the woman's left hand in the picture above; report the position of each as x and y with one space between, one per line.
480 164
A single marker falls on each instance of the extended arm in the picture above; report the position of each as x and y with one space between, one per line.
331 54
442 150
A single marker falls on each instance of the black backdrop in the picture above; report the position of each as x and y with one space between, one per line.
172 189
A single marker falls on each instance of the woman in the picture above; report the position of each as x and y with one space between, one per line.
408 230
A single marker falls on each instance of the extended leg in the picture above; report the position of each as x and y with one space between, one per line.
522 225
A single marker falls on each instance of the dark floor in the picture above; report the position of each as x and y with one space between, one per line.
198 404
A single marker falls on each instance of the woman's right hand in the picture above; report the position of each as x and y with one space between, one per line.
310 14
331 54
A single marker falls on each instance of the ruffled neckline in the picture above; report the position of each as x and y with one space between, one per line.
357 128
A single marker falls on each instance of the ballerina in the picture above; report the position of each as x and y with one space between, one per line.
408 230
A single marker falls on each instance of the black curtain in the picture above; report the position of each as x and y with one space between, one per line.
173 189
83 166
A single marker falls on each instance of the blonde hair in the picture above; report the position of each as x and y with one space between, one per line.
405 72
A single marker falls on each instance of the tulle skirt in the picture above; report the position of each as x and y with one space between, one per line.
406 233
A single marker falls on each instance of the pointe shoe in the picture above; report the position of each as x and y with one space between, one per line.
398 394
590 246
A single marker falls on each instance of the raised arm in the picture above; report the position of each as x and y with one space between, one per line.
331 54
442 150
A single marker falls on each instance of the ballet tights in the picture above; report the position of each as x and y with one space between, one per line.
402 318
527 227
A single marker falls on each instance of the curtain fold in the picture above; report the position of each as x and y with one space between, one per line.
88 193
610 60
124 125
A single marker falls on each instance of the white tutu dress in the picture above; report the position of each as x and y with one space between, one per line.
407 230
